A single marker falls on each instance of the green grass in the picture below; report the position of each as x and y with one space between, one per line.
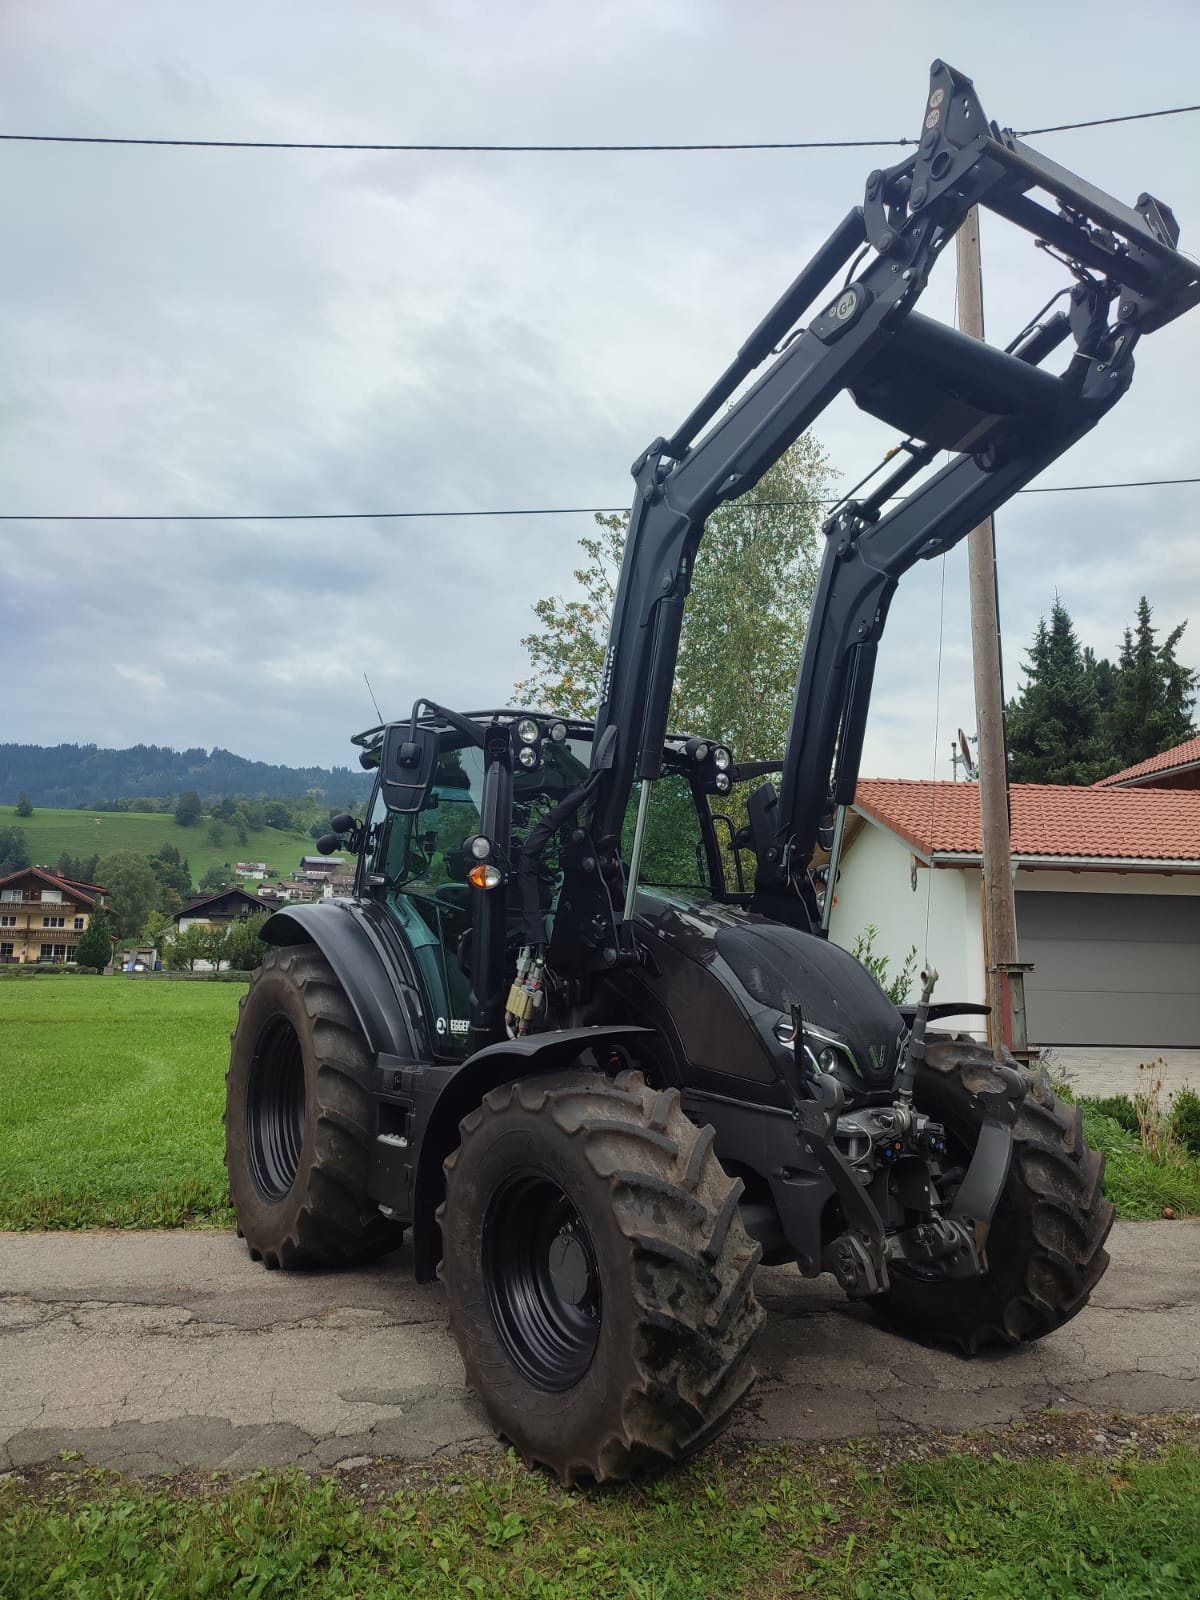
1138 1186
847 1525
111 1098
85 833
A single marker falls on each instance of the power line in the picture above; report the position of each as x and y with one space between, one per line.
505 511
548 149
452 149
1103 122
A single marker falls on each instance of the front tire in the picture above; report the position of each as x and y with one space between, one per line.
1045 1250
598 1276
298 1120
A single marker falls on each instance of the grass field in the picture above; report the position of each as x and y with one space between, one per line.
1024 1515
112 1091
111 1097
85 833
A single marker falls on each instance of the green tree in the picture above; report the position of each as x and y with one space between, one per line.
14 851
95 942
216 879
189 945
24 807
156 928
174 878
1054 726
77 869
1154 694
224 808
132 890
277 815
744 625
216 946
188 809
244 946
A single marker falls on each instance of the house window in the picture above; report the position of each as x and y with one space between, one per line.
6 952
10 894
8 922
79 924
53 895
47 953
54 922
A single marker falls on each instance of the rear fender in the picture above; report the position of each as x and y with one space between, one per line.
447 1104
376 988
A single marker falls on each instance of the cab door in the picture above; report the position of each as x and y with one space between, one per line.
416 864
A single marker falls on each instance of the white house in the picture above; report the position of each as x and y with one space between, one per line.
1107 884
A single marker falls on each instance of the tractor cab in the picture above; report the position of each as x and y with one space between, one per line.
445 866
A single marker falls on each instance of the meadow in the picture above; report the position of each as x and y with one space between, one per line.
112 1092
86 833
1016 1514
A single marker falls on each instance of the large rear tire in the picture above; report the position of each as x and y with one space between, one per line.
599 1279
1045 1251
298 1120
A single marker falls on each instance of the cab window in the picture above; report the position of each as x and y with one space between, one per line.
673 856
421 857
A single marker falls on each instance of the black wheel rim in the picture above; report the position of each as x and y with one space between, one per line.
275 1109
542 1281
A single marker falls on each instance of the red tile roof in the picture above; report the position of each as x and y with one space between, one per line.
1186 754
1047 819
85 892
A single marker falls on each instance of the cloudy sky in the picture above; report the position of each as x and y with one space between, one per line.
265 331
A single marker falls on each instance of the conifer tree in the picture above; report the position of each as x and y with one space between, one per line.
1054 731
1154 694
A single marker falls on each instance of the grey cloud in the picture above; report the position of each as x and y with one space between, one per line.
209 331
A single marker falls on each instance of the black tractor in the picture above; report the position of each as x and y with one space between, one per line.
580 1028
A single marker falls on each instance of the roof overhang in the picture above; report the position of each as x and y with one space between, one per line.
1026 863
1149 779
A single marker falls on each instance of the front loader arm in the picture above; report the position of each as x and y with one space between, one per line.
1001 415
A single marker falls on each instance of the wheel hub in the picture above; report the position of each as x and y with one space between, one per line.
542 1281
569 1268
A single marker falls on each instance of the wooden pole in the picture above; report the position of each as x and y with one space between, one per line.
1000 912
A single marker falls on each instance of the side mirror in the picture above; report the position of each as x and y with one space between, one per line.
407 761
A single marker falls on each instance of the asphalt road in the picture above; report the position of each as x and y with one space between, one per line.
150 1351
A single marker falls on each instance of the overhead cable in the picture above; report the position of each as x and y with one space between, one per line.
547 149
505 511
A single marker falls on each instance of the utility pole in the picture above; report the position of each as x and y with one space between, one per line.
1005 973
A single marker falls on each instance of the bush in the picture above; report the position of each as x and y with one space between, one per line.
1119 1107
1185 1120
896 988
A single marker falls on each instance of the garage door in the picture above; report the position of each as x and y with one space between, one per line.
1111 968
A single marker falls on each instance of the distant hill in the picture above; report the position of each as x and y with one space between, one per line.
51 830
84 775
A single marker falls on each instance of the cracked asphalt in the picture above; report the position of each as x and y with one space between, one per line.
153 1351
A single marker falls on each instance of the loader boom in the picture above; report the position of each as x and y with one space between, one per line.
1001 414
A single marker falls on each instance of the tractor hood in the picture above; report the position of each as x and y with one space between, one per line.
779 967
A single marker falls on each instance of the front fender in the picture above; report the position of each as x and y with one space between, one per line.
448 1102
367 971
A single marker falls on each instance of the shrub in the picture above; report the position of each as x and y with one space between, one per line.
1119 1107
1185 1120
897 988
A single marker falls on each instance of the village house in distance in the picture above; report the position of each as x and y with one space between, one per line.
43 917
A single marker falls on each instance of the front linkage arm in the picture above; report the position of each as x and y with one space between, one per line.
999 412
